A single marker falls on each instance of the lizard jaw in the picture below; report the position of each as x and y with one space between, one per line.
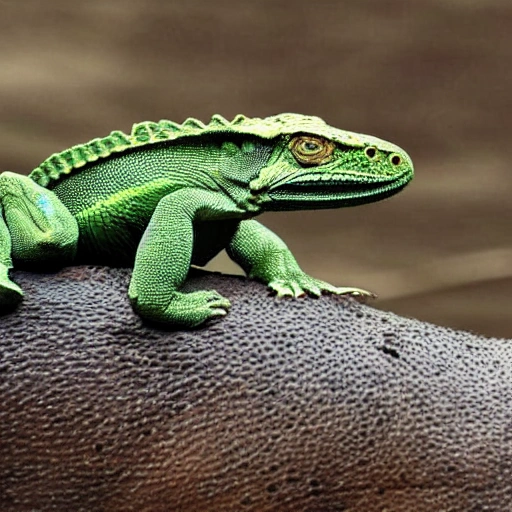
321 193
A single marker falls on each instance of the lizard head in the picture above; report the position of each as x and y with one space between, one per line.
317 166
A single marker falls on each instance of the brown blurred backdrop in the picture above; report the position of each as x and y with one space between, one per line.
433 76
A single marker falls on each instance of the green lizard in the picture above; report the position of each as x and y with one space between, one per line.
167 196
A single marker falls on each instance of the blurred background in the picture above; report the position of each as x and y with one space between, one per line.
433 76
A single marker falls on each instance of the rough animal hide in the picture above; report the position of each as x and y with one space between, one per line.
284 405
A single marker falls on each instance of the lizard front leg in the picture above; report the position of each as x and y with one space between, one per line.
264 256
163 260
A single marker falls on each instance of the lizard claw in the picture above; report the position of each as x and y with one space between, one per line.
300 284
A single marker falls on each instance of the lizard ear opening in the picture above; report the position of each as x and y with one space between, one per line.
311 150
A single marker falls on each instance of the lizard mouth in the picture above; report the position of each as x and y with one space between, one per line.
332 194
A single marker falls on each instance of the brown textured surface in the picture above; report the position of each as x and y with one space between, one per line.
434 76
309 405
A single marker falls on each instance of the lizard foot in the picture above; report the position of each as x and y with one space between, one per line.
300 284
10 293
185 309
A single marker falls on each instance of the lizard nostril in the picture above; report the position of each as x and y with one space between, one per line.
396 160
370 152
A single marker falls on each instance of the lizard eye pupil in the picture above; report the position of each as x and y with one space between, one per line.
311 146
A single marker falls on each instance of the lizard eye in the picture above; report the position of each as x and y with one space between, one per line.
310 150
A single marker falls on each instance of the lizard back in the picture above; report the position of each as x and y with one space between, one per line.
60 165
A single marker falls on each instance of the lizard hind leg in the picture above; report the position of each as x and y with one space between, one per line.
35 227
41 228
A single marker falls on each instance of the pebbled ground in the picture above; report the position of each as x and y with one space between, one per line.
307 405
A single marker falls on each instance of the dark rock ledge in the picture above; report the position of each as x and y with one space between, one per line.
306 405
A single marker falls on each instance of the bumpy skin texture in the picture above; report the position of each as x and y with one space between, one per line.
168 195
309 405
